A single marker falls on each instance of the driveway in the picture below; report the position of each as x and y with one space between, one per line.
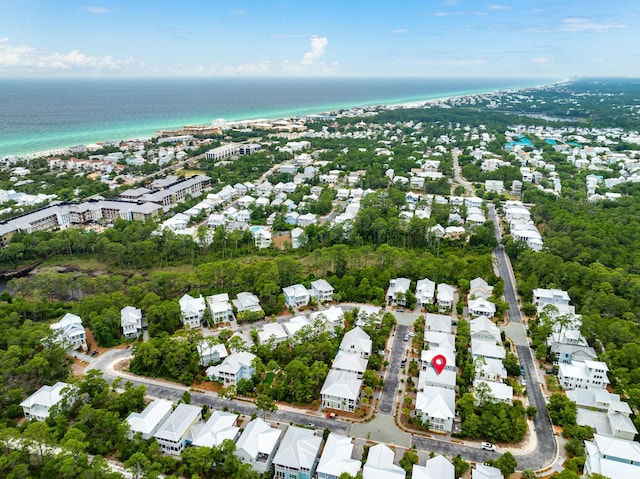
392 379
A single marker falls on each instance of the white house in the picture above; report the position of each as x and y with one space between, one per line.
297 238
438 322
482 307
220 308
262 238
220 426
429 377
149 420
210 352
583 375
479 288
336 458
444 296
397 292
380 464
436 406
438 467
332 317
487 349
613 458
192 310
257 444
556 297
427 355
173 433
295 324
39 404
350 363
482 471
247 302
307 219
341 390
425 292
483 328
236 366
131 322
322 290
272 332
495 391
356 341
490 369
296 296
366 313
297 456
70 332
438 340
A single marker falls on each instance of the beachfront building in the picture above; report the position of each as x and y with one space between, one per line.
257 444
172 435
297 456
149 420
38 405
69 332
131 322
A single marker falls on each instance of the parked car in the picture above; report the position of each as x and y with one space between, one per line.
406 337
487 446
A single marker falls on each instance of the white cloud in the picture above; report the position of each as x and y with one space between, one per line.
17 56
95 9
587 25
498 7
541 60
400 30
318 45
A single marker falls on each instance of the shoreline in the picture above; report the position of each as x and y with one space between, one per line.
289 113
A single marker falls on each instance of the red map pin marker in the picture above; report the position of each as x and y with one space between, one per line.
439 362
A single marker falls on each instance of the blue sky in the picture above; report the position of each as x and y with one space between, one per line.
424 38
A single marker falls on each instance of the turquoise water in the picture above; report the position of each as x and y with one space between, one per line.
39 115
522 141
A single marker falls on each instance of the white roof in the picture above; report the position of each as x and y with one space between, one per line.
481 324
446 378
489 349
69 322
130 315
220 426
437 402
440 340
258 438
46 396
299 448
499 391
341 384
296 290
380 464
428 354
207 348
321 285
437 467
336 457
146 421
357 338
398 285
189 304
182 418
271 330
482 305
438 322
333 315
486 472
445 292
232 363
610 457
349 362
295 324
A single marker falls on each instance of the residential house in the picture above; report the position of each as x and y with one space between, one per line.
356 341
239 342
211 352
436 406
272 332
482 328
397 292
247 302
297 456
149 420
172 435
556 297
341 390
479 288
611 457
425 292
438 467
220 426
236 366
257 445
482 471
307 219
445 295
438 322
350 363
429 377
295 324
296 296
380 464
220 308
494 391
482 307
322 290
131 322
427 355
368 313
438 340
298 238
490 369
70 332
262 238
583 375
38 405
332 317
569 345
336 458
192 310
487 349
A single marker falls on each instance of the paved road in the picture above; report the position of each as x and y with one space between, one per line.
458 176
392 379
506 273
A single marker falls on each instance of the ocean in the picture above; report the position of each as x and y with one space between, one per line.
44 114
